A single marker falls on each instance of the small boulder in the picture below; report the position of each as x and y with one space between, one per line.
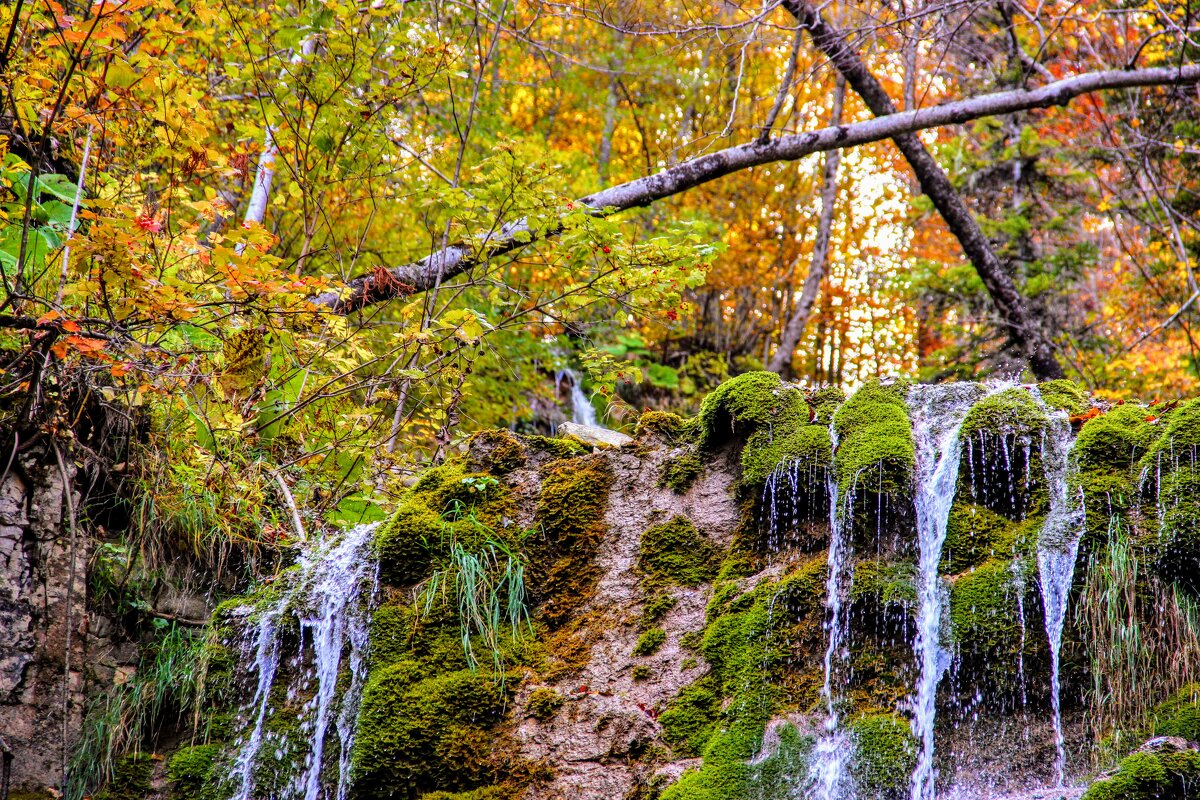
596 437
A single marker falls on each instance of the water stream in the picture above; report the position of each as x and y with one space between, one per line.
1058 548
582 410
331 597
937 413
827 770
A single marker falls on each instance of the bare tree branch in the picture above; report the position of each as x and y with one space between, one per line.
455 259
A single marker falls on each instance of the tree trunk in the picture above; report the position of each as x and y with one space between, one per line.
781 362
1021 324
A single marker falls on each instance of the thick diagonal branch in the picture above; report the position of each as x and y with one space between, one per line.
1022 325
459 258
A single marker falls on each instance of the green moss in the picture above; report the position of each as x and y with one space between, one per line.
497 451
559 447
885 755
689 719
655 606
641 672
675 553
824 403
1115 441
419 733
649 642
767 448
543 703
973 535
746 402
986 623
679 473
405 541
130 780
1010 412
1064 395
1179 716
885 583
1164 774
663 423
190 772
570 523
502 792
875 442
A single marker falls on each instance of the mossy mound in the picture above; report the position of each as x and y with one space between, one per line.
988 606
666 425
1002 466
808 446
1173 464
192 774
570 523
974 534
419 733
1012 411
775 420
885 755
1179 716
1107 453
405 541
1166 773
1064 395
676 554
825 402
781 771
875 441
744 403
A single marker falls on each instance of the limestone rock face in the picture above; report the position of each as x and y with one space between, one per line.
42 657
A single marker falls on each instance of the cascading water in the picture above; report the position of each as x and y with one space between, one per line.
937 413
582 411
331 596
1058 547
827 770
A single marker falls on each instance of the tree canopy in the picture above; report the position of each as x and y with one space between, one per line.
310 244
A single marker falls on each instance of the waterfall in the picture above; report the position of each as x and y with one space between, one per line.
1058 547
937 413
827 770
330 597
582 411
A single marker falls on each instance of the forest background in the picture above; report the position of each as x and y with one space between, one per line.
303 248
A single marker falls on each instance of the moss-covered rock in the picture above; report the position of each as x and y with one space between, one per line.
807 445
1064 395
192 775
1012 411
671 427
744 403
974 534
570 523
986 605
405 541
420 733
676 554
1178 716
1166 772
496 451
875 440
885 755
